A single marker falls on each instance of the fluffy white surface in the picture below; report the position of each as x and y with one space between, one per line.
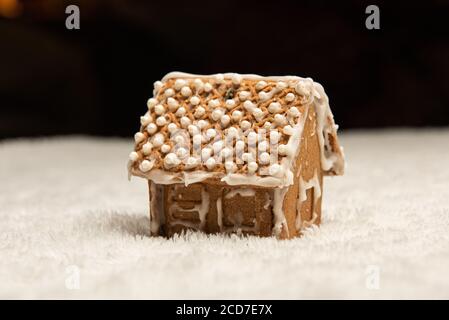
67 202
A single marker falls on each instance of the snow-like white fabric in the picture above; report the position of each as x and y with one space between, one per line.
72 226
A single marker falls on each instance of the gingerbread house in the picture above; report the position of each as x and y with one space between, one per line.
235 153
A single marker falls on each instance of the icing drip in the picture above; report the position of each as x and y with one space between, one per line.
303 187
278 211
220 213
243 192
267 201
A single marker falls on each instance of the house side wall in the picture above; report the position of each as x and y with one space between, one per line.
156 207
212 208
307 170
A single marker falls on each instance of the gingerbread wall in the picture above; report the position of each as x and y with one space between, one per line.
308 183
214 208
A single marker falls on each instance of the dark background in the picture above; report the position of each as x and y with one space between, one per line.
96 80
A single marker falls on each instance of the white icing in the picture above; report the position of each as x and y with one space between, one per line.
199 112
236 115
211 133
252 138
258 114
171 160
145 120
274 107
219 78
191 163
202 123
146 165
260 85
226 153
230 166
186 91
161 121
181 153
139 137
220 213
157 85
151 128
197 139
278 211
185 122
158 140
274 136
267 125
169 92
252 167
179 83
165 148
279 119
146 148
198 84
236 78
294 112
172 127
208 87
267 201
248 105
206 153
217 114
275 170
288 130
133 156
225 120
247 157
289 97
243 95
264 158
172 104
245 125
243 192
195 100
193 130
210 163
151 103
159 109
203 209
235 179
262 146
283 149
217 146
281 85
303 88
213 103
230 103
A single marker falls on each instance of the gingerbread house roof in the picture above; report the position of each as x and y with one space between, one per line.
240 129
